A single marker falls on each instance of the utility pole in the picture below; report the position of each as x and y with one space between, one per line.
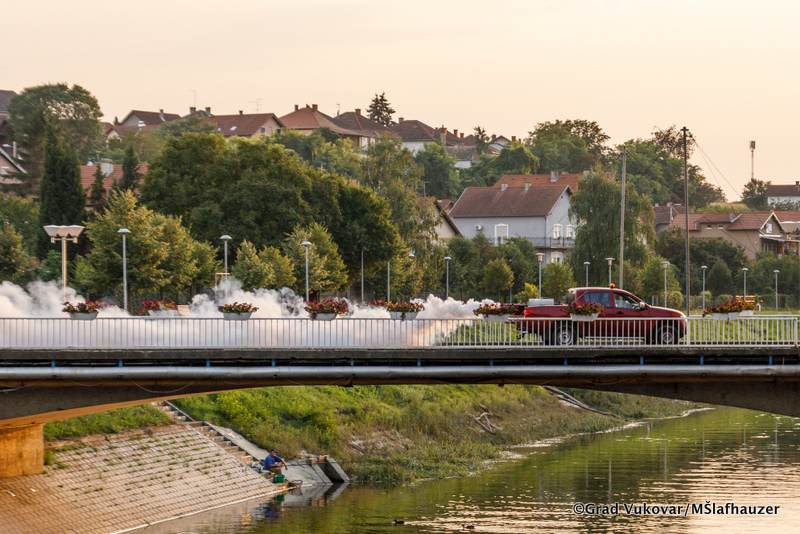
622 222
752 160
686 211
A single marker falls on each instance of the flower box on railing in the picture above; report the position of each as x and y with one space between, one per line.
495 313
327 310
404 311
584 318
158 308
82 311
728 311
585 313
237 311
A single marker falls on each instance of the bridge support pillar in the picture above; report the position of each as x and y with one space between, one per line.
21 451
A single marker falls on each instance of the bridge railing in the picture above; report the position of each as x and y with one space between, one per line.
188 332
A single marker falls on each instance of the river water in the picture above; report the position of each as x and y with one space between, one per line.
720 456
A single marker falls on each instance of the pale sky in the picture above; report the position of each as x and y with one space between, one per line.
727 69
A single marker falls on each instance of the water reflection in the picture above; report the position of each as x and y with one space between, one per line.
727 455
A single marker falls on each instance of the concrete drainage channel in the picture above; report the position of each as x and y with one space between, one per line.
315 472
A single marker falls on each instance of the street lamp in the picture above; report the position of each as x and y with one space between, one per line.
665 264
410 258
586 264
540 255
388 281
64 233
306 244
124 232
610 261
703 267
776 271
447 277
362 275
744 270
225 239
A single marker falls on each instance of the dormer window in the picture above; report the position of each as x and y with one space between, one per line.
769 228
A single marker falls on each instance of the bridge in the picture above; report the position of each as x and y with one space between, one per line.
52 369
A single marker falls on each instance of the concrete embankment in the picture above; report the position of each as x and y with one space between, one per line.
115 483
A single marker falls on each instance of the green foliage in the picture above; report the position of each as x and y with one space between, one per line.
530 292
761 278
380 110
97 193
719 278
439 171
326 270
267 269
481 140
497 278
513 159
595 208
23 215
197 123
559 149
556 280
73 112
13 258
754 194
62 200
130 168
111 422
652 279
520 254
322 149
145 144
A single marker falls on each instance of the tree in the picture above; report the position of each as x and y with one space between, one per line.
754 194
13 258
380 110
497 278
595 208
557 280
481 140
671 141
558 149
652 278
73 112
719 279
146 144
197 123
130 168
62 200
23 215
520 254
439 171
326 268
513 159
97 193
250 269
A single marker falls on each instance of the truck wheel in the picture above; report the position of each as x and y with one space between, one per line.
563 334
665 335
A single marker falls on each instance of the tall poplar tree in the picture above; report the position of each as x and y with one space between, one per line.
380 110
62 200
97 193
130 168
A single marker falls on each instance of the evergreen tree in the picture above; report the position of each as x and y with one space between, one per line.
130 166
481 140
380 110
62 200
97 194
13 258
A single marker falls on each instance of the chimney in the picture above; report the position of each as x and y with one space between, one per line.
358 111
527 185
161 114
513 138
443 136
797 183
462 135
296 107
503 187
208 111
400 119
192 111
553 176
314 107
241 112
455 132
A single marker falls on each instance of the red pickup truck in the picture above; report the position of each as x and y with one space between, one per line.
624 315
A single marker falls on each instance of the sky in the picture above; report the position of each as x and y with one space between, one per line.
728 70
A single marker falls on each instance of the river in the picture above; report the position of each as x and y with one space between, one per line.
721 456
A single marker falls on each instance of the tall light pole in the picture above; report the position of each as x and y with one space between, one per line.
665 265
447 277
306 244
64 233
410 259
225 239
744 270
703 267
388 281
362 275
124 232
610 261
540 255
586 265
776 271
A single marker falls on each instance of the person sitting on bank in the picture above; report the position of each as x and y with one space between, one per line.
273 462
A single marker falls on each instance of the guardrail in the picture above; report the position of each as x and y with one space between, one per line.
188 332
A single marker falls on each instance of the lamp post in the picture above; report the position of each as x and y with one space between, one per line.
540 255
586 265
447 277
225 239
362 275
64 233
124 232
306 244
388 281
665 264
610 261
776 271
744 270
703 267
410 258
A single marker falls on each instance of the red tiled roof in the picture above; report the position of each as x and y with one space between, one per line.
152 118
790 216
513 202
414 130
308 119
749 220
356 121
665 214
543 180
241 124
446 204
87 176
792 190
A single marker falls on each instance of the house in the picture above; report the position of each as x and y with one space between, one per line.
783 193
499 142
5 143
416 135
250 125
8 165
140 118
354 120
538 214
112 172
446 229
308 119
446 204
465 156
664 215
756 231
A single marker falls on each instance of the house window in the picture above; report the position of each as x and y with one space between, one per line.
263 129
556 257
570 231
3 171
708 227
719 227
769 228
557 231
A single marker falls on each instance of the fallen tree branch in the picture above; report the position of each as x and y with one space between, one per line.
575 402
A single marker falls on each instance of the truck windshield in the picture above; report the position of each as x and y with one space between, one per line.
600 297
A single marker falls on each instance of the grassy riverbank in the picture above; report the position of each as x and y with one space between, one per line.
398 434
111 422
